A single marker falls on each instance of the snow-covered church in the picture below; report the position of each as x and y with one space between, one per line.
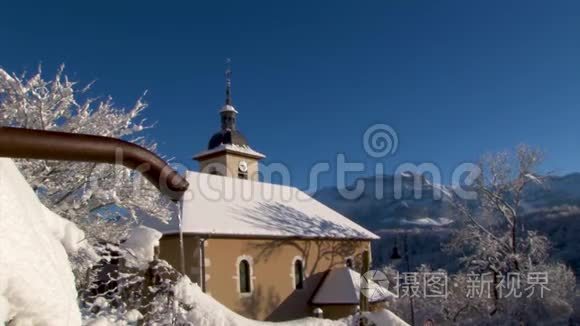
266 251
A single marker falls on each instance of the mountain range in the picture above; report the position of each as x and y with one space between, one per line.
552 208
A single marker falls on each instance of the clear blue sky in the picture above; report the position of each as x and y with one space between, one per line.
454 78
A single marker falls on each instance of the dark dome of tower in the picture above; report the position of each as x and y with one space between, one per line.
233 137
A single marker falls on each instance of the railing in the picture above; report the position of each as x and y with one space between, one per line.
62 146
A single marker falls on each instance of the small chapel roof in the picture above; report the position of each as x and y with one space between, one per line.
343 286
225 206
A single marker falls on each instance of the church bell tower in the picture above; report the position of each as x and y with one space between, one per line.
228 152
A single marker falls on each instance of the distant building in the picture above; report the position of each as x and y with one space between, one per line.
263 250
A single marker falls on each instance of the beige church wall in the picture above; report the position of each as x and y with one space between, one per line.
273 296
227 164
218 163
233 163
169 251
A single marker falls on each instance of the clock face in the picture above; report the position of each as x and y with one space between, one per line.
243 166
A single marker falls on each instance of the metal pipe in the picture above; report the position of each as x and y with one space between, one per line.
181 245
366 265
202 263
62 146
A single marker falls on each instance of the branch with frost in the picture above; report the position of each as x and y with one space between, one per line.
101 198
491 222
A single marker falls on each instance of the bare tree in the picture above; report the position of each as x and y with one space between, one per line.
493 239
493 231
103 200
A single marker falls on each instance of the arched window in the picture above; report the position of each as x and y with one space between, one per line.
244 277
349 263
298 274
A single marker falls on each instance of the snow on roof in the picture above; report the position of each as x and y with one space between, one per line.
229 108
343 286
229 206
233 148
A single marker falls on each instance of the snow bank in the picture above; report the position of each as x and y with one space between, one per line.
385 317
36 282
141 246
133 316
206 311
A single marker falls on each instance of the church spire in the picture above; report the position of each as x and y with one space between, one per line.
228 112
228 81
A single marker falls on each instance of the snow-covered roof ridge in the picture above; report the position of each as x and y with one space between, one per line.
228 206
228 108
233 148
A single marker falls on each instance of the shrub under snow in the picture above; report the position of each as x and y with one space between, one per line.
141 246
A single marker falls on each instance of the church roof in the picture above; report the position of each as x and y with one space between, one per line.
225 206
228 108
243 150
227 136
343 286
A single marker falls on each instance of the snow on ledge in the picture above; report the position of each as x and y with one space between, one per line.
232 148
141 246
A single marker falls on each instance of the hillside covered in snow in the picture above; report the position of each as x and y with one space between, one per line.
552 209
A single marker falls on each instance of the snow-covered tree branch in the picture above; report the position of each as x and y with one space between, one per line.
102 199
493 239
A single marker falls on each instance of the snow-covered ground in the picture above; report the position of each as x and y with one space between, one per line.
208 312
427 221
36 282
141 246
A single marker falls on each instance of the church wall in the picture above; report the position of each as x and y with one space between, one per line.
227 164
272 294
218 163
169 251
233 162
